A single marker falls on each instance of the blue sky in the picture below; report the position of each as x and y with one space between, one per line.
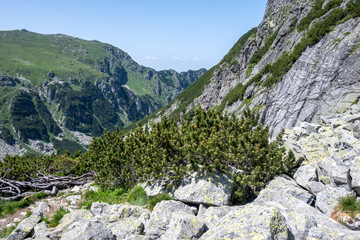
162 34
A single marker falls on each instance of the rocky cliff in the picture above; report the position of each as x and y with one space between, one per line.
300 63
57 91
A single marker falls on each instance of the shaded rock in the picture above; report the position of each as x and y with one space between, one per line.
305 175
25 227
251 222
39 230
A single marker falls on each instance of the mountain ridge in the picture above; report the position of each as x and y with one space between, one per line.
73 87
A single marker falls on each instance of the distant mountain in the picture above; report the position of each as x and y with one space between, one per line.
57 91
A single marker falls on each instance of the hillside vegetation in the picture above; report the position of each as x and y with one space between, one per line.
207 142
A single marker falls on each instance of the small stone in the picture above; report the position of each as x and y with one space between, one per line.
16 220
76 190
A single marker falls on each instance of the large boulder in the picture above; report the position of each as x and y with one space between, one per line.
161 216
209 189
211 215
286 184
250 222
197 188
69 219
327 199
94 229
26 226
303 220
184 226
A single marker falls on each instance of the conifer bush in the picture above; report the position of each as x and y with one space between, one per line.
209 141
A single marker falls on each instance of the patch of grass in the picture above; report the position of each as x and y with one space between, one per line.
349 205
115 196
8 207
58 215
158 198
137 196
55 219
28 214
4 233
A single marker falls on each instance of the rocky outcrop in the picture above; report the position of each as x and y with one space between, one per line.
197 188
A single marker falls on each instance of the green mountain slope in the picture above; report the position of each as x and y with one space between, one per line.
56 87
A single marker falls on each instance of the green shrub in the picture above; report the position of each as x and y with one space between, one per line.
317 12
115 196
255 59
158 198
137 196
208 141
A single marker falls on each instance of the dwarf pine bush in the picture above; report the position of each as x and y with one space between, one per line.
208 141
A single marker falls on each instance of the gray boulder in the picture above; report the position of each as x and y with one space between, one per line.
305 175
69 219
184 226
161 216
211 215
286 184
302 219
25 227
117 212
209 189
250 222
327 199
334 172
127 227
92 229
198 188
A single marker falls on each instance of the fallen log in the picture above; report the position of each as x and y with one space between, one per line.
13 189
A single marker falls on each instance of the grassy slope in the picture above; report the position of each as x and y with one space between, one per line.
34 55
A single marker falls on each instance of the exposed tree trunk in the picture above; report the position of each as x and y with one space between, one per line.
13 190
